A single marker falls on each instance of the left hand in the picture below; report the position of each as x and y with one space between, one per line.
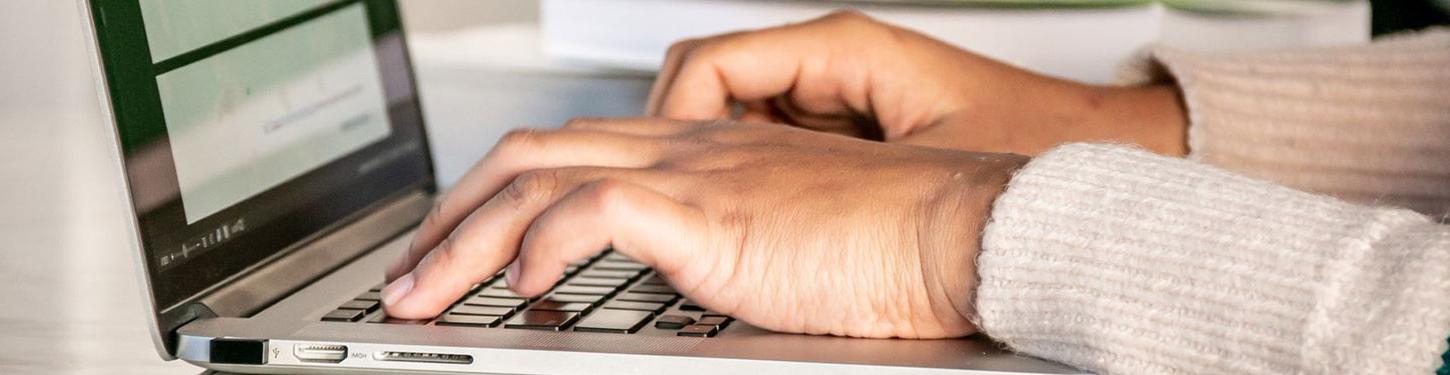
787 229
848 73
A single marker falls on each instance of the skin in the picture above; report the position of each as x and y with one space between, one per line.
812 228
905 87
785 228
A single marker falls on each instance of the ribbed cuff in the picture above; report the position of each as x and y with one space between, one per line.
1365 123
1115 260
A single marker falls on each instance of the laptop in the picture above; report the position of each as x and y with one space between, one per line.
275 159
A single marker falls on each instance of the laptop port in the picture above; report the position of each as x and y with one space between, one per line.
235 351
320 352
457 359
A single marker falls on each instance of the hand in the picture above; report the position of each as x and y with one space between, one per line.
849 74
787 229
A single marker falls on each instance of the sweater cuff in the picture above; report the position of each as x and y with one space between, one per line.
1112 259
1366 123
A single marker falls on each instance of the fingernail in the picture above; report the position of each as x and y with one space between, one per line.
397 289
512 274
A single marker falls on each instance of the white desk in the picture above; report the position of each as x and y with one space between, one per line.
69 300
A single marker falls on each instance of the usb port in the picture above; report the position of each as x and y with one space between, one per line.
320 352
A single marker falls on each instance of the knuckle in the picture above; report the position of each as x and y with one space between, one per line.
518 140
446 247
609 195
682 46
704 52
441 257
848 15
532 187
581 122
855 21
435 215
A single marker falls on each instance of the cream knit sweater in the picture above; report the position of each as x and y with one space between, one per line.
1115 260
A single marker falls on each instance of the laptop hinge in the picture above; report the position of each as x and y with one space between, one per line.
314 259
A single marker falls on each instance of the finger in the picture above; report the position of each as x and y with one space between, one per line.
668 69
489 238
639 126
761 111
710 75
755 65
842 124
643 224
518 151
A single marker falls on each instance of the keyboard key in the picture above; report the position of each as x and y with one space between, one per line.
617 257
581 298
590 281
466 309
654 280
500 293
378 288
544 320
604 274
497 302
653 289
364 305
549 305
698 330
645 297
592 290
570 270
609 265
470 320
343 315
385 319
614 321
370 296
674 322
689 305
653 308
718 321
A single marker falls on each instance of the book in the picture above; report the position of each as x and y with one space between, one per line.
1084 40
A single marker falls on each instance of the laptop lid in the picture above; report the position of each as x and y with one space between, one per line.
247 127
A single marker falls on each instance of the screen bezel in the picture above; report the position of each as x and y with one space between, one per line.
300 208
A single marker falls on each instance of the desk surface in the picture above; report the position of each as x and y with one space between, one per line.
69 298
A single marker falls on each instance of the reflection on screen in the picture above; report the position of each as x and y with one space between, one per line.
174 27
250 118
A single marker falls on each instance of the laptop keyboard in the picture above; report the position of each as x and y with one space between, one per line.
607 293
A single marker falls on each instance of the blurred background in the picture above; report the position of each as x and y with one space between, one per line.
68 298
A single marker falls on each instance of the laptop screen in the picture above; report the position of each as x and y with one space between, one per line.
248 126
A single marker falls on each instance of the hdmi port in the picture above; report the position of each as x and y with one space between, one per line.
320 353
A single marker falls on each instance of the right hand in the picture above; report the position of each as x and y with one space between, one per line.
786 229
849 74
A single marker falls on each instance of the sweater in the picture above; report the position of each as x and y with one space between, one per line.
1275 248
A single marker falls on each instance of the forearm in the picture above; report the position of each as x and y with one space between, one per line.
1115 260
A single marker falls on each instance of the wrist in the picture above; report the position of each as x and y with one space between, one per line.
952 239
1149 116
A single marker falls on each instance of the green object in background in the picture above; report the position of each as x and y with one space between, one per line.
1444 362
1392 16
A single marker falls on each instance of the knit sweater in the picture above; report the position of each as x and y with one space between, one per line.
1115 260
1368 124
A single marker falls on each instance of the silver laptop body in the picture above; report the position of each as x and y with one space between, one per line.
275 160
